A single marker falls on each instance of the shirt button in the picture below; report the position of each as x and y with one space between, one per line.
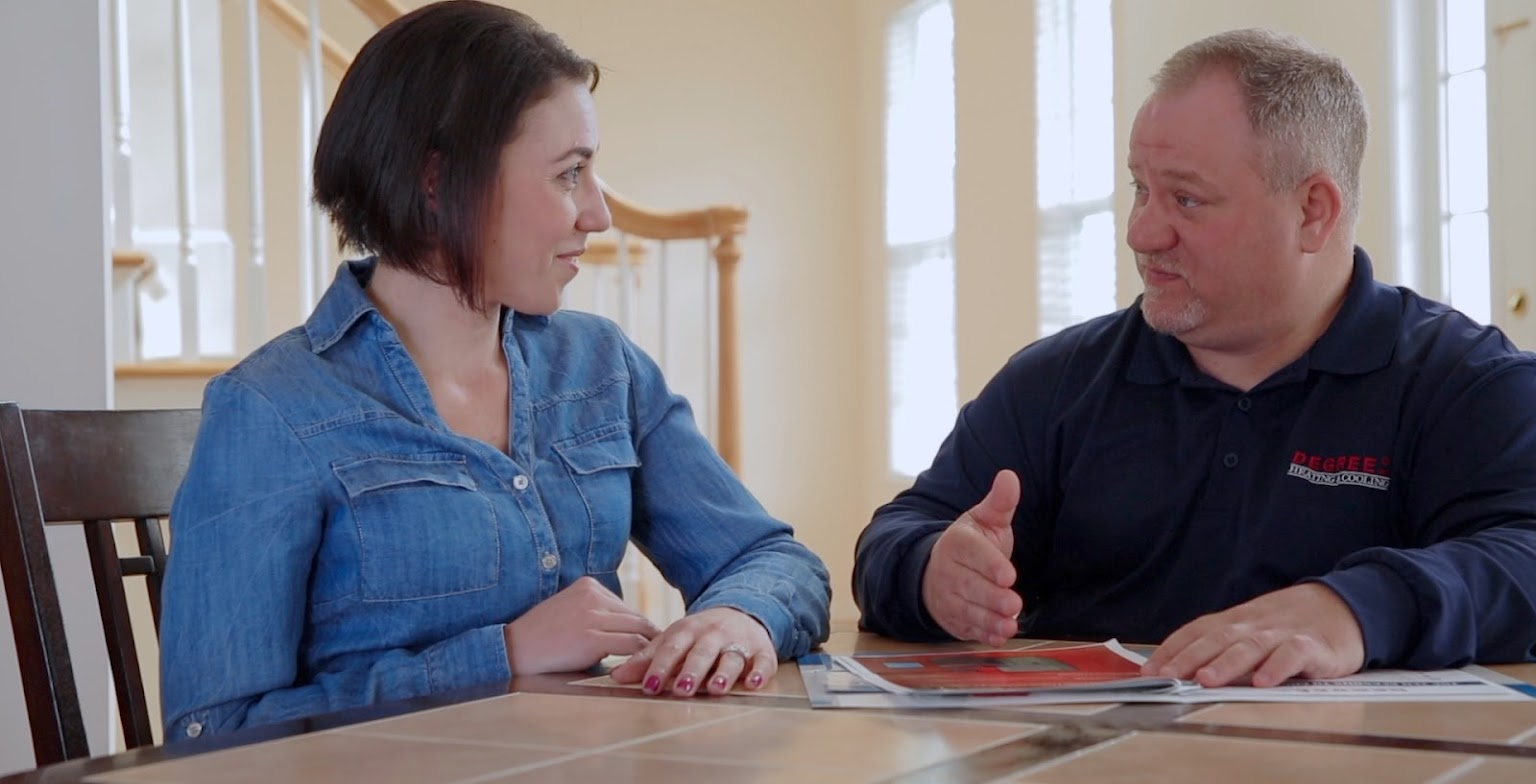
549 561
1230 460
194 729
520 482
1243 404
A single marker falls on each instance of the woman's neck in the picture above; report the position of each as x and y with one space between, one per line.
444 336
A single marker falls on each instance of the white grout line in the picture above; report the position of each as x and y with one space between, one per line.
408 714
599 750
1524 736
934 717
1456 772
364 725
740 763
792 765
439 739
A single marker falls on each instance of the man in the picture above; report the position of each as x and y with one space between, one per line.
1270 463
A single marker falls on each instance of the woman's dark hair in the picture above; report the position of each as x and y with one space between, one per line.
440 90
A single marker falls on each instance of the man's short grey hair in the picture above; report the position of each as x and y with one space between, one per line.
1304 106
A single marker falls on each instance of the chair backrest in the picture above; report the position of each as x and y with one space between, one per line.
85 468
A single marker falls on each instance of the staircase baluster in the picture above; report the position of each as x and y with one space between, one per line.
626 287
256 263
187 272
316 230
122 182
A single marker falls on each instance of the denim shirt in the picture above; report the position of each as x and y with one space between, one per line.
336 544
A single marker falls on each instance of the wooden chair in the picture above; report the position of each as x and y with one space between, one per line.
85 468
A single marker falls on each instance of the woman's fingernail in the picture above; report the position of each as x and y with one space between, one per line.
685 684
755 680
653 684
718 682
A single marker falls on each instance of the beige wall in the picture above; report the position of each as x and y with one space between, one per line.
875 481
995 201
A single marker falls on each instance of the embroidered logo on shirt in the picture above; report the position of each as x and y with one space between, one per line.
1334 470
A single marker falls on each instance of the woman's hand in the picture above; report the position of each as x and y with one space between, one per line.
575 629
708 651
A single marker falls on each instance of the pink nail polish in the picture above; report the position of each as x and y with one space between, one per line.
685 684
718 682
653 684
755 680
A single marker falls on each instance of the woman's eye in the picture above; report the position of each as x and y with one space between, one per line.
573 174
1187 201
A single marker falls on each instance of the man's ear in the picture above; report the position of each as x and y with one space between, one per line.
1322 206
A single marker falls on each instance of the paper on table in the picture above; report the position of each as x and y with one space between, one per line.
1110 674
1074 668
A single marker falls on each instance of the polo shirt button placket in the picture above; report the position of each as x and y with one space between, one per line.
1229 460
1244 403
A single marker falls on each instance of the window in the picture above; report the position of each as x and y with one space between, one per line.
919 232
1464 160
1074 89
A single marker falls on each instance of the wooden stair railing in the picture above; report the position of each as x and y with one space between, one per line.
380 12
290 21
128 259
719 225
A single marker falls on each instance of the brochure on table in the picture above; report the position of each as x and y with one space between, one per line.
1103 672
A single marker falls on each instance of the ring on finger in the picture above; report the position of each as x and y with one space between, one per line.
737 649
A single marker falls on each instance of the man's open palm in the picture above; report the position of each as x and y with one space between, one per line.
968 584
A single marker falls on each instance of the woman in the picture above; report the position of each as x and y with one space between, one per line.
431 483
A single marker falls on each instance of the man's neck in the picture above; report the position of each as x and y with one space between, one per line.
1246 364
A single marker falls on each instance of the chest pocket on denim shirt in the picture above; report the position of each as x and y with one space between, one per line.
599 463
424 528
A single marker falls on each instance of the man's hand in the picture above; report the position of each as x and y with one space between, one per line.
575 629
1305 630
968 584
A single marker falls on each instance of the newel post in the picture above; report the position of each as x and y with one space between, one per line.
727 255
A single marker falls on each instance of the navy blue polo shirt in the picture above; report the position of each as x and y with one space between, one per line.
1395 462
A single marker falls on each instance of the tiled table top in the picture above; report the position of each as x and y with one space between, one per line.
557 737
584 729
552 738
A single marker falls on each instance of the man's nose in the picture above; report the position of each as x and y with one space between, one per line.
1148 230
